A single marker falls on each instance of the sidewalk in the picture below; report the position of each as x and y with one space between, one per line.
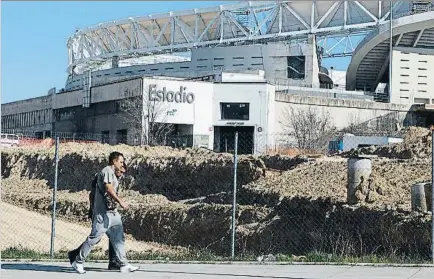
16 270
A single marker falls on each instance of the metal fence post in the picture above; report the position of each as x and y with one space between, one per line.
234 204
432 194
53 215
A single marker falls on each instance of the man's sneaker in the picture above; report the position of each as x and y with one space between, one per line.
114 266
128 268
78 267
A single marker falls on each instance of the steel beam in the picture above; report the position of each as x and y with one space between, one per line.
257 21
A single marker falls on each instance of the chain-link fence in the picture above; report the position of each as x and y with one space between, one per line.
29 138
340 197
28 176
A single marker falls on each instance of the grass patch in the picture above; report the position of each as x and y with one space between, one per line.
97 254
317 257
23 253
208 256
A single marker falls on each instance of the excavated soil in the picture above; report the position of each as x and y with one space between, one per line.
150 218
177 174
286 205
417 144
16 233
392 180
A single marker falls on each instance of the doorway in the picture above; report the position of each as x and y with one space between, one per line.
224 139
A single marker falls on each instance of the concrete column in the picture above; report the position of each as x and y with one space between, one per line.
311 63
115 61
418 197
359 170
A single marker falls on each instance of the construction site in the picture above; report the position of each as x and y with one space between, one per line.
241 138
181 200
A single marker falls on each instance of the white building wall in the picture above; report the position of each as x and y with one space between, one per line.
341 112
256 94
261 99
197 113
412 76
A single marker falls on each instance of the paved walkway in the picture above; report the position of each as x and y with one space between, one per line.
10 270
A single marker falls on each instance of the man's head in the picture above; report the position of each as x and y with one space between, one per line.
116 159
119 173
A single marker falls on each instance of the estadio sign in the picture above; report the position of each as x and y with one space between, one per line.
180 96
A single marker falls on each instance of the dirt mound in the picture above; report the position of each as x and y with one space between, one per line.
176 174
150 218
417 144
283 163
328 179
69 235
293 225
183 197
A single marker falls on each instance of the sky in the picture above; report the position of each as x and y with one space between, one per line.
34 56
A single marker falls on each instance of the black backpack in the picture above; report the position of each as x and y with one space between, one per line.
110 204
92 195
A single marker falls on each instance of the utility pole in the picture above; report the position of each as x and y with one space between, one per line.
391 48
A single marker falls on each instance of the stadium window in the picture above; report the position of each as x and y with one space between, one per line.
421 101
296 67
234 111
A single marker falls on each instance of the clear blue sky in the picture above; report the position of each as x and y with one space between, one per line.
34 55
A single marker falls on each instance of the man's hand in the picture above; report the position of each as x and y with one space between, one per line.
123 204
112 193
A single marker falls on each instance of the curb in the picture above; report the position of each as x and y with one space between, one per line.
229 263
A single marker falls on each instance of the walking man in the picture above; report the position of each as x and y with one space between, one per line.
106 219
114 263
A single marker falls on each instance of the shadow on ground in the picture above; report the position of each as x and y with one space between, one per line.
220 274
44 268
63 269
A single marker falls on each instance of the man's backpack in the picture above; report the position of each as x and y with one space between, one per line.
93 188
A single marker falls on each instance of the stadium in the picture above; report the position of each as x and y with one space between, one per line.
242 67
